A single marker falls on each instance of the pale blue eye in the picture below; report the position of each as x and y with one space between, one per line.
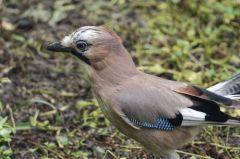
82 46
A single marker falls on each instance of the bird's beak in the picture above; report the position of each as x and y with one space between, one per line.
57 47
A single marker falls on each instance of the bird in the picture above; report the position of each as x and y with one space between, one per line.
161 114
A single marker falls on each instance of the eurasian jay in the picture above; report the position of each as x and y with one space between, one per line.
160 114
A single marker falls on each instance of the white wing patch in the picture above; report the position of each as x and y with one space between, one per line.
190 114
193 118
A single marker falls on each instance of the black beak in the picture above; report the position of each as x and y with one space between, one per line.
57 47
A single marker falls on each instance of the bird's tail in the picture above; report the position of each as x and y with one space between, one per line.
229 88
233 122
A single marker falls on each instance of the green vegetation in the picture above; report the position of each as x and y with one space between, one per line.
46 107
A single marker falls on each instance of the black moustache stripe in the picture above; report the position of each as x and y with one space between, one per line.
80 56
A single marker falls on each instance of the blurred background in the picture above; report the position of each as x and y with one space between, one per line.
46 107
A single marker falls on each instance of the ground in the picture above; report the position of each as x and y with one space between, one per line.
47 109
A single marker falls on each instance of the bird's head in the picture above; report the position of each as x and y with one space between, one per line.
90 43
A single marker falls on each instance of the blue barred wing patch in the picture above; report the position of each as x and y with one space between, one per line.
161 123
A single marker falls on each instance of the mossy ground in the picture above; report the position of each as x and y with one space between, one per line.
47 108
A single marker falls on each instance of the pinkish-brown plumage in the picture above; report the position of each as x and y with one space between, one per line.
160 114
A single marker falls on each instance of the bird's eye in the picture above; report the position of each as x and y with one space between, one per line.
82 45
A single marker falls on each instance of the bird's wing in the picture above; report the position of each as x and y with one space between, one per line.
151 103
206 94
229 88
